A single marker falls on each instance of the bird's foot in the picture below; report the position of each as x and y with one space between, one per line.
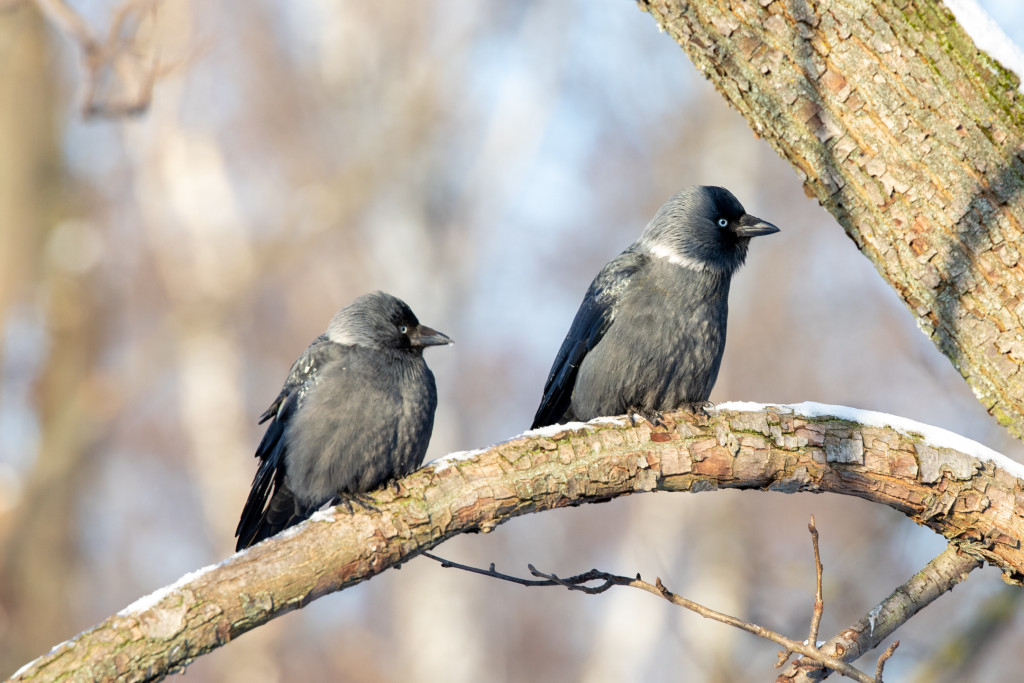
652 416
701 410
363 500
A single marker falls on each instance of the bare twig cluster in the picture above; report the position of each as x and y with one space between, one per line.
816 662
118 75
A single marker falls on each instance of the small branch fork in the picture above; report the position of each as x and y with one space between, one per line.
117 54
606 580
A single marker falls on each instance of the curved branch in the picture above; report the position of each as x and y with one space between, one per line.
910 136
967 498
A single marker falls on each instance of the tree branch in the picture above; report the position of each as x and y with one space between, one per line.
657 588
963 497
910 136
115 56
579 582
938 577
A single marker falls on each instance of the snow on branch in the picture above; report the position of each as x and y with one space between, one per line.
969 496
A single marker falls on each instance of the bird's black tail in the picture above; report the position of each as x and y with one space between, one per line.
281 512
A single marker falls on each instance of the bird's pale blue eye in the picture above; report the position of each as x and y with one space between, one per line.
722 222
403 329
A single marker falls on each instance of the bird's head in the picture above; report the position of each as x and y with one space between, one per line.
381 321
703 228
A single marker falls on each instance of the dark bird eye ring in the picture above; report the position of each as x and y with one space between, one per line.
722 222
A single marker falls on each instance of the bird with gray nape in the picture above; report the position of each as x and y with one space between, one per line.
650 332
356 411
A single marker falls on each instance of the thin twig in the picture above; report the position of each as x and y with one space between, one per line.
573 582
658 588
819 605
885 656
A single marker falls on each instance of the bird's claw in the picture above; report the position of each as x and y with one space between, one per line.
701 410
363 500
653 417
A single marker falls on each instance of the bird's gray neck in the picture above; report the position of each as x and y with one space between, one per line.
725 264
677 258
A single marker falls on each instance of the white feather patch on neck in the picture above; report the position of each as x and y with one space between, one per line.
672 256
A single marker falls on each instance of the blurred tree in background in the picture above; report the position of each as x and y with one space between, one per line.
159 274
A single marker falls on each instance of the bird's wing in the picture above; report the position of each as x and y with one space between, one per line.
588 327
271 506
302 370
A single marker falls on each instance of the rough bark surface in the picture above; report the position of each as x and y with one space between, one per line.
972 502
909 136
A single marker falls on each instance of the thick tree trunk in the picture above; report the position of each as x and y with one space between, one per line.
909 136
969 500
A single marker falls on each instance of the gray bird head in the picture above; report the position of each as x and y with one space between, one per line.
703 228
381 321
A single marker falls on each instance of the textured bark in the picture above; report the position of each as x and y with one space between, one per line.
969 501
909 136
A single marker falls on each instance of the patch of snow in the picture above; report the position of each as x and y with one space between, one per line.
551 430
749 406
872 617
148 601
446 461
324 514
988 35
608 421
933 436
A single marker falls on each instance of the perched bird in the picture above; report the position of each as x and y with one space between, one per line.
356 411
650 332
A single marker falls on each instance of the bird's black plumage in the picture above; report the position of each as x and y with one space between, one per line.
356 410
650 333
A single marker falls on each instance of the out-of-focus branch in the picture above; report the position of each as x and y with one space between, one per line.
956 494
117 76
910 136
938 577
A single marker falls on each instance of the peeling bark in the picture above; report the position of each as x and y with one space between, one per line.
975 503
910 136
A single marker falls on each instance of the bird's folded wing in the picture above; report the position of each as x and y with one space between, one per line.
588 327
271 451
302 369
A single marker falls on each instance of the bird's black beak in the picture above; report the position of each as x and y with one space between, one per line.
428 336
752 226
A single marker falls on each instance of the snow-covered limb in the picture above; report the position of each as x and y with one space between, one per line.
966 498
933 436
988 35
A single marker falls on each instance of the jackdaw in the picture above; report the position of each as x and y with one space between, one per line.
356 411
650 332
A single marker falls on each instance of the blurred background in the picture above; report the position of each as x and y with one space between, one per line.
482 161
